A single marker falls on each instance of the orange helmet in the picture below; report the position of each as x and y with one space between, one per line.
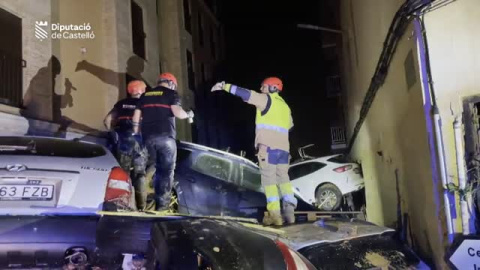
136 87
273 83
167 77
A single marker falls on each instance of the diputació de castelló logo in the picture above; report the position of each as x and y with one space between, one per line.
63 31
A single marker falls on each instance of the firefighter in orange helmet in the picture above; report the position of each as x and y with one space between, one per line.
273 122
129 149
155 117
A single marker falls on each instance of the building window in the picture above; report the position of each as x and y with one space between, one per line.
212 43
138 34
191 73
11 74
200 29
186 16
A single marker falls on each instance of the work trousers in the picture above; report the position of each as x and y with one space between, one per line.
133 159
274 171
162 152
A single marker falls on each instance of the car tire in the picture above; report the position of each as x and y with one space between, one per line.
332 194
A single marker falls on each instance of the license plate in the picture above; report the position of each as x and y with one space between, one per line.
26 192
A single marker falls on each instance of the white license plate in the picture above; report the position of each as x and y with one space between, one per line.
26 192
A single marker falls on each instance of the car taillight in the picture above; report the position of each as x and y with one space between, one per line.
343 168
294 260
118 185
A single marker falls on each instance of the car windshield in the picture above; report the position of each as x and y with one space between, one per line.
49 147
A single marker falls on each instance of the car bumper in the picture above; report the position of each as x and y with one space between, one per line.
61 211
355 183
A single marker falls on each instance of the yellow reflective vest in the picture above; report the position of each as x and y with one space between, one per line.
277 117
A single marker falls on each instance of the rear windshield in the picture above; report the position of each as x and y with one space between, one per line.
341 159
49 147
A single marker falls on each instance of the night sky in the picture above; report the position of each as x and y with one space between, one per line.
262 40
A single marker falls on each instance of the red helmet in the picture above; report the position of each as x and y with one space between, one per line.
167 77
273 82
136 87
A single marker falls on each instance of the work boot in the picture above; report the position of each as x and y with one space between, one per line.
141 199
140 192
288 212
273 218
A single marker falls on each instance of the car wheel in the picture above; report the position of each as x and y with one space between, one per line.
329 197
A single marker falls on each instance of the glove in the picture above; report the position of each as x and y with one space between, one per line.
138 138
218 86
190 114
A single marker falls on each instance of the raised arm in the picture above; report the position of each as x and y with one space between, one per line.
251 97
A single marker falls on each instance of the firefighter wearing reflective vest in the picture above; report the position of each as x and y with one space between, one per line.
273 122
128 149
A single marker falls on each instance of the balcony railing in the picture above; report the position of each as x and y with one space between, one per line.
11 79
339 140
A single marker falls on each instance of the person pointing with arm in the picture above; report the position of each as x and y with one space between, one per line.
273 122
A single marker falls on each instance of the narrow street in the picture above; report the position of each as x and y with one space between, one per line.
212 134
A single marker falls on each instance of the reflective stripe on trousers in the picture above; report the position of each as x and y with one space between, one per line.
274 171
273 199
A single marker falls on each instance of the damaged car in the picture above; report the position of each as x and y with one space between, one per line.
211 182
326 181
139 241
336 243
58 176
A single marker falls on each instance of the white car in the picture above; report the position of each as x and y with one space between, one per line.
324 181
56 176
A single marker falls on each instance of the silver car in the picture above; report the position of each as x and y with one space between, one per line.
56 176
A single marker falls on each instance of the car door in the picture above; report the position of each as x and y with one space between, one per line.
208 175
252 198
184 180
305 180
245 196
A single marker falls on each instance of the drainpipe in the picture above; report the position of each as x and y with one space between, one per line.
443 175
462 181
427 110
